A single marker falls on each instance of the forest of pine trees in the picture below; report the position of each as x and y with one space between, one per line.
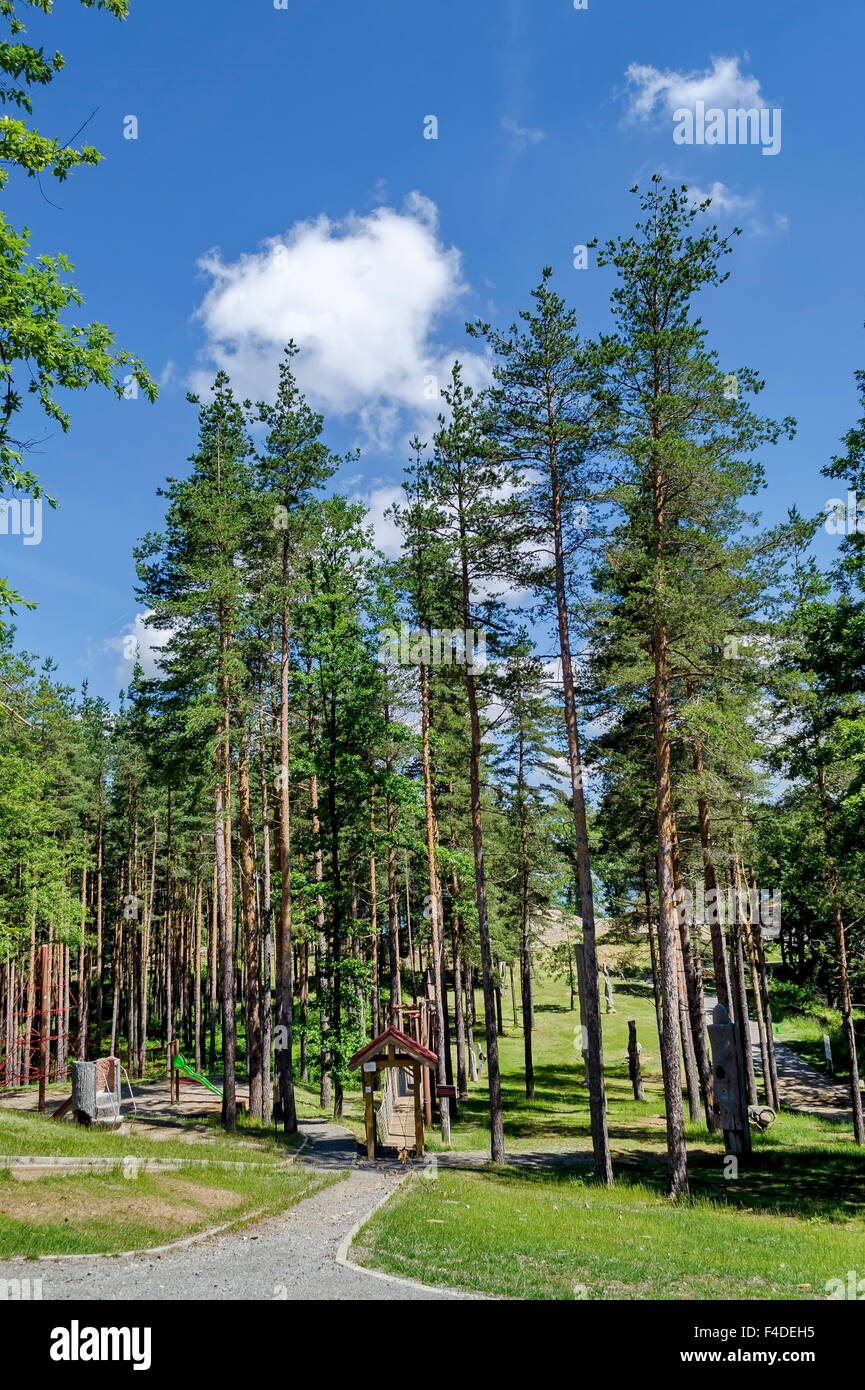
312 815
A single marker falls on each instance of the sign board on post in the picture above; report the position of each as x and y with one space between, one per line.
827 1051
446 1092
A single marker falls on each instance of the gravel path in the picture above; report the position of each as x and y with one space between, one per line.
805 1088
289 1257
802 1086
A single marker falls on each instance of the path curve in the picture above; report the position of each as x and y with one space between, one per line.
285 1258
803 1088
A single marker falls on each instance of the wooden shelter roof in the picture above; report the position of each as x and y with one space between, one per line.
392 1037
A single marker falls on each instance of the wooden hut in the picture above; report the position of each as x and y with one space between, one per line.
393 1049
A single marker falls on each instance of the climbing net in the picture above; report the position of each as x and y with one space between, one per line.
36 1006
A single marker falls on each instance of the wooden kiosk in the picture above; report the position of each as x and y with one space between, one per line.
392 1049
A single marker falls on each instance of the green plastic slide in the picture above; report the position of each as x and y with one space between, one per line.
183 1065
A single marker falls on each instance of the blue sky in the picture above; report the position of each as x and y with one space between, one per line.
281 183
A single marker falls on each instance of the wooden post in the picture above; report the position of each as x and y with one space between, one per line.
418 1113
580 954
608 990
44 1023
427 1092
369 1110
730 1096
173 1073
634 1071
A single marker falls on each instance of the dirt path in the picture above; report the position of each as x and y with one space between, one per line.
805 1088
802 1086
151 1106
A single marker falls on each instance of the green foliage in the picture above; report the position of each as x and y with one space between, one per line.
36 341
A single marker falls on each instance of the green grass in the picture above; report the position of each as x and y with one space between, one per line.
23 1133
804 1034
801 1016
794 1215
104 1212
519 1236
557 1119
308 1108
558 1116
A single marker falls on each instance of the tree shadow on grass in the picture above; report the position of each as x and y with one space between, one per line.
560 1108
638 989
800 1182
810 1185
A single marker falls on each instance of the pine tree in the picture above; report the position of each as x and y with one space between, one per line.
464 487
549 414
295 464
686 443
193 579
526 748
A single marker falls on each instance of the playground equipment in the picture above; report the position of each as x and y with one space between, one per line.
761 1116
95 1098
180 1064
37 1038
401 1111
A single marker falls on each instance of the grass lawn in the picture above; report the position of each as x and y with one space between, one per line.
801 1016
22 1132
558 1117
88 1213
793 1218
306 1099
804 1034
526 1236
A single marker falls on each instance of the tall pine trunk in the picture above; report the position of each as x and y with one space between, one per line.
677 1155
392 902
226 966
284 944
435 900
251 942
591 1004
322 981
843 966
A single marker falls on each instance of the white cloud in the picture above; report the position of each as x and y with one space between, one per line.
361 297
138 644
386 533
723 198
778 224
722 85
387 537
746 208
522 136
